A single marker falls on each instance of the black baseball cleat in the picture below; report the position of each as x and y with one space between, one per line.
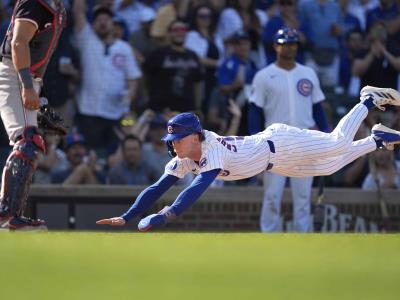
381 96
22 223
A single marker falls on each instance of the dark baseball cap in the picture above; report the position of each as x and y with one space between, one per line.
181 126
240 35
286 36
74 138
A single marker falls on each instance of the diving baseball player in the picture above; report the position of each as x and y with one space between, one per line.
280 148
286 92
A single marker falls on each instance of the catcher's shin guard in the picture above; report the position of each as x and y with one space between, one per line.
18 172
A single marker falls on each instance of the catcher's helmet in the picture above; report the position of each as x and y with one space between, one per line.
286 36
181 126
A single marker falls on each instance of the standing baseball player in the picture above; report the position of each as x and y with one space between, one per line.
280 148
31 38
286 92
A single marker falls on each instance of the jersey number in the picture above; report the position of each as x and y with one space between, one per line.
225 142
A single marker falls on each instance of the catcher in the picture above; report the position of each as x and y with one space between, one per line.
31 38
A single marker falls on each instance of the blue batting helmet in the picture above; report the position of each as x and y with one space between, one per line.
181 126
286 36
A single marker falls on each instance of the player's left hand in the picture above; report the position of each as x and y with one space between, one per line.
116 221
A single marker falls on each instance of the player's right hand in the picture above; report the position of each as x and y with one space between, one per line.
30 99
116 221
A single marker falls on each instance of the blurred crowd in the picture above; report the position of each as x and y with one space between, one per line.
124 67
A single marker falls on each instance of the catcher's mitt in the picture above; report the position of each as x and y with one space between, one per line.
49 121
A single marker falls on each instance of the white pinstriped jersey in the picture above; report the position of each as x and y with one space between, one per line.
287 96
237 157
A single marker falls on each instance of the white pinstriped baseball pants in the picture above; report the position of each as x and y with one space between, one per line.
302 152
274 184
15 117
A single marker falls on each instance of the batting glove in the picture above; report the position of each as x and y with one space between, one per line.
163 217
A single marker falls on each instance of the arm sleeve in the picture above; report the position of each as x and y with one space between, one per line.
255 119
194 191
150 195
320 117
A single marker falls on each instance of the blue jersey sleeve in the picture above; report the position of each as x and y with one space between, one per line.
194 191
150 195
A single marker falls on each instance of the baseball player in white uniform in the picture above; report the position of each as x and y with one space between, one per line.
280 148
290 93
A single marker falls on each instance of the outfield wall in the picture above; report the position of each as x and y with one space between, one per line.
219 209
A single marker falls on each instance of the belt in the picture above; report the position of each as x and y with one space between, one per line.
272 149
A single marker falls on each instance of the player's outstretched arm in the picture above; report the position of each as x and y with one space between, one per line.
144 201
185 199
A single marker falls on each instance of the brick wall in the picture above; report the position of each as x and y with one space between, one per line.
219 209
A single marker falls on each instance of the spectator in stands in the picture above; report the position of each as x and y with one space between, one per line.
380 64
244 16
348 22
324 19
218 6
120 29
174 74
82 164
209 47
109 76
143 45
130 11
359 9
132 169
354 45
140 39
52 161
387 175
287 17
386 11
62 78
234 79
128 125
166 14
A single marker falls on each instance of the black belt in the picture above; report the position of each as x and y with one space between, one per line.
272 149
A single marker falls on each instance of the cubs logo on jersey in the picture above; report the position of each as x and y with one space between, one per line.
304 87
203 162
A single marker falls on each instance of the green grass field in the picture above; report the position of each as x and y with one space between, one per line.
59 265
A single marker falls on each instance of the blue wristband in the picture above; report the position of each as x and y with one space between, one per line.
25 77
